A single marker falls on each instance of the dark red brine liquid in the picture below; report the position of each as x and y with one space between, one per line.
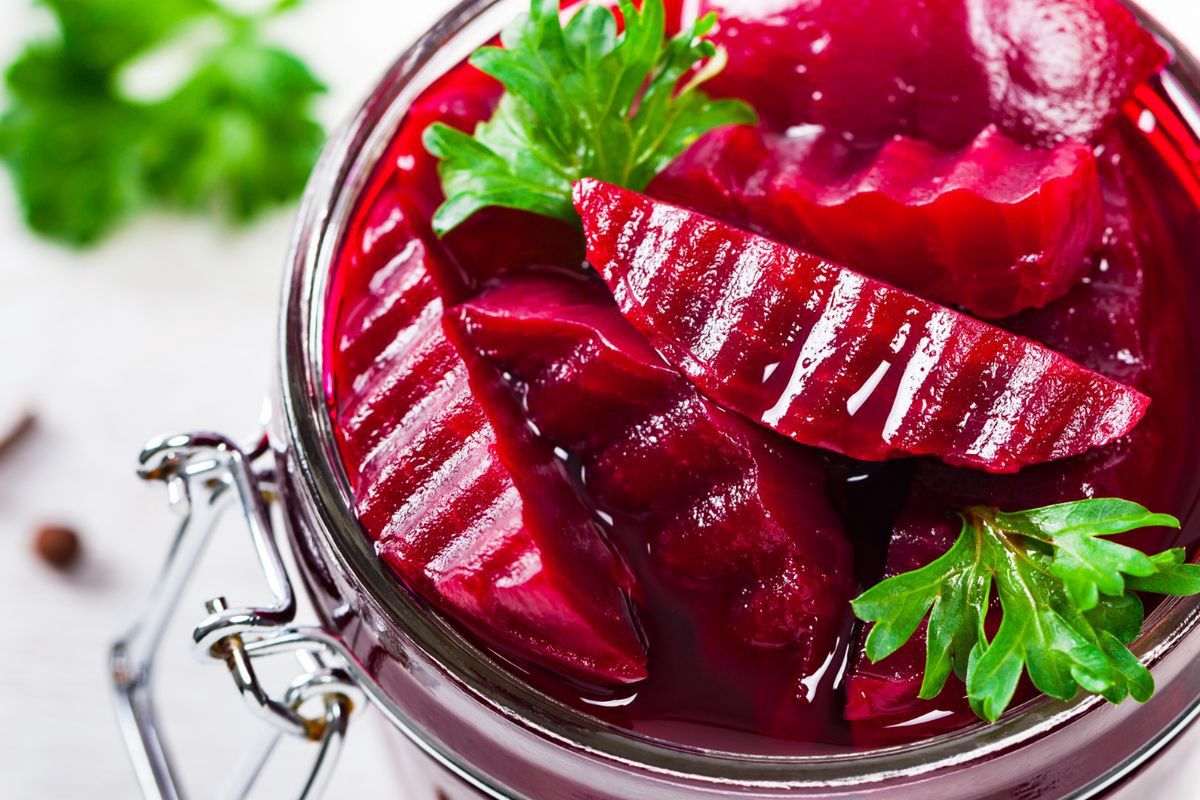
614 529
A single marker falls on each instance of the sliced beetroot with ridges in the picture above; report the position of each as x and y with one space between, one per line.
940 70
834 359
996 227
474 514
721 500
396 298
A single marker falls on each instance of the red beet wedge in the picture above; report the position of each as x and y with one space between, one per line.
721 499
996 227
465 505
882 695
834 359
939 70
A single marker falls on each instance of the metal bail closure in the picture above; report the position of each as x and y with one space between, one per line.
204 474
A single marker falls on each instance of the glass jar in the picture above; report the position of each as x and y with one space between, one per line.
470 727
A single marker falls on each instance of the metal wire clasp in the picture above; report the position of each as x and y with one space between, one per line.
204 473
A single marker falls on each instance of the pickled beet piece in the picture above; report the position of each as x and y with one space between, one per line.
1114 323
721 499
882 694
996 227
939 70
497 240
461 98
907 71
834 359
724 175
1062 67
476 516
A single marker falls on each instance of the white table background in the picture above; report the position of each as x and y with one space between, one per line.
167 327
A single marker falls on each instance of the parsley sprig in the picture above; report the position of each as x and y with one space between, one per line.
580 101
237 135
1067 603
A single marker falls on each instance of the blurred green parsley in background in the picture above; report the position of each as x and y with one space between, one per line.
235 137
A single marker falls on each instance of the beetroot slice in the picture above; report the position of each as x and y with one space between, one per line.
1065 66
882 695
996 227
720 499
939 70
818 62
465 506
833 359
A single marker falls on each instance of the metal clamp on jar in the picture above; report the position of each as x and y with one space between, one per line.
204 474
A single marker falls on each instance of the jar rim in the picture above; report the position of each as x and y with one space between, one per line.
345 166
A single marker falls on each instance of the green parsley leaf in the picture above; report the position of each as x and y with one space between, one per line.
580 101
1121 616
236 135
1086 564
1173 576
236 119
73 151
1066 608
103 34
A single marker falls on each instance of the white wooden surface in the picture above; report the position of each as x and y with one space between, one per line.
170 326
